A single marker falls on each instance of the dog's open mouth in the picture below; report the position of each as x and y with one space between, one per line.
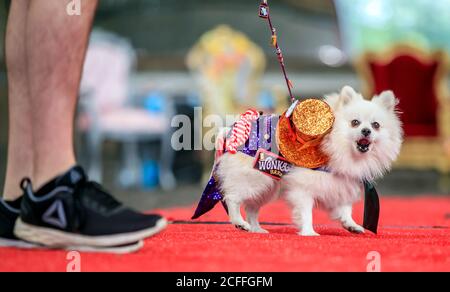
363 145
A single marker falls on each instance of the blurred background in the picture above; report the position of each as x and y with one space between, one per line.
150 60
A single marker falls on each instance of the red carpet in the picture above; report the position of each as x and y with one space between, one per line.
414 236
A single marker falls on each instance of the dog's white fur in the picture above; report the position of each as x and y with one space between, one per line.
335 191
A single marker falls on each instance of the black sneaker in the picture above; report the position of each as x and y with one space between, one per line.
9 212
71 211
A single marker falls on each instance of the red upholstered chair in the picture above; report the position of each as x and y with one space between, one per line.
418 79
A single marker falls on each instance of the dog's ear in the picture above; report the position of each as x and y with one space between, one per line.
347 95
387 99
338 100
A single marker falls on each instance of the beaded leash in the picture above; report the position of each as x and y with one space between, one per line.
264 12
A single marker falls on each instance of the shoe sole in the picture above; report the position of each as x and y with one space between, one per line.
17 243
123 249
59 239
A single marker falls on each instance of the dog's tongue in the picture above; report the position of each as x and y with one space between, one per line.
363 141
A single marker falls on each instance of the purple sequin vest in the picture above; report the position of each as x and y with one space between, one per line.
262 135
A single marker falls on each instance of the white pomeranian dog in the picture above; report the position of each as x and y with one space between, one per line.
365 139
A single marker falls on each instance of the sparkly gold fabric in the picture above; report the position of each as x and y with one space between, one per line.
299 140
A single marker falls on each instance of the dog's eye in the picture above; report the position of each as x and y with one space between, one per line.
375 125
355 123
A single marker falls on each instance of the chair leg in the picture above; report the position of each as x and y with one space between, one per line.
94 143
167 179
444 182
130 175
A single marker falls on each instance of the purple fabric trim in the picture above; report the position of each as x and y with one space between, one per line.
264 127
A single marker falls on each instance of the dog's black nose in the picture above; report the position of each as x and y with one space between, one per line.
366 132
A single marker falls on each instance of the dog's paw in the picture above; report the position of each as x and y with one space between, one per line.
258 230
354 228
308 233
243 226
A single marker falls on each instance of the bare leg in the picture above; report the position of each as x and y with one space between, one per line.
56 46
20 141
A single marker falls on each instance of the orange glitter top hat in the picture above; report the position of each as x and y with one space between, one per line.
300 134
